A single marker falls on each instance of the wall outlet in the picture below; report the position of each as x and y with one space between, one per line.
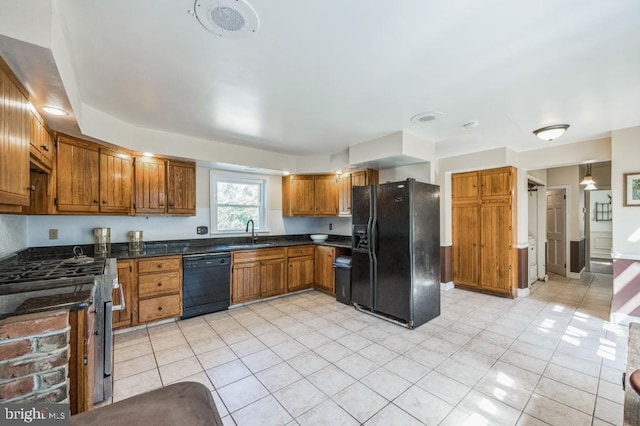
202 230
53 234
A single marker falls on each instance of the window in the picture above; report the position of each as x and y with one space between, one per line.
235 199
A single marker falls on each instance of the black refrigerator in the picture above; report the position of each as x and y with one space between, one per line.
395 269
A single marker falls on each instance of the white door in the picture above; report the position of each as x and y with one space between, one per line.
556 231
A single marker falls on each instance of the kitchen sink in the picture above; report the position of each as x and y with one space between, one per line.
245 246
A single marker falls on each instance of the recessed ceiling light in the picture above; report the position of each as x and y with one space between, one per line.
148 154
550 133
54 111
426 117
471 124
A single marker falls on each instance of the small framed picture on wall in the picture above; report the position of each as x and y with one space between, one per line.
632 189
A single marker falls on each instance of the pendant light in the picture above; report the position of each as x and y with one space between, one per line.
588 180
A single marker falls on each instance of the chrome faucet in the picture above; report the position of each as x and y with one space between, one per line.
253 235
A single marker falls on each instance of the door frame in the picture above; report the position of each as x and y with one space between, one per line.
567 201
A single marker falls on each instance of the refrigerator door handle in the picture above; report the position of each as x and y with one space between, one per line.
373 237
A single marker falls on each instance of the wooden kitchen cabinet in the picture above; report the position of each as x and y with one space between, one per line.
346 181
150 186
300 272
115 181
78 175
310 195
42 146
14 142
257 273
324 275
126 277
82 335
272 277
181 188
159 288
164 187
91 178
484 230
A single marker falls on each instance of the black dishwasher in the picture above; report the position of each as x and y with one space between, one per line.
206 283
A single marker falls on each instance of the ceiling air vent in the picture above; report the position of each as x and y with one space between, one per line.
227 18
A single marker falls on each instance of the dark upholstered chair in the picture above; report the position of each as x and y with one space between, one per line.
185 403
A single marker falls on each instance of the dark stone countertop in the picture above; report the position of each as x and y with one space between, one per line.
186 247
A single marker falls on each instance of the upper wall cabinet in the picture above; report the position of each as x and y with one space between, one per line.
348 180
14 143
164 187
92 179
181 188
310 195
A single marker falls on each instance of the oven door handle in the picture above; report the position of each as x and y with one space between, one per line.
120 287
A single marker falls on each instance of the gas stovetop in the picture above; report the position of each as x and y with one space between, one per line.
48 270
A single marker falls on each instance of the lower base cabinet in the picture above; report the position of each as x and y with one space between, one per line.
81 359
256 274
300 272
324 273
152 290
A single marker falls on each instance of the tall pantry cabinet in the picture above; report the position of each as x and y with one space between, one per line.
484 230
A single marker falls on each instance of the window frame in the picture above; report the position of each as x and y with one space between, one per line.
242 178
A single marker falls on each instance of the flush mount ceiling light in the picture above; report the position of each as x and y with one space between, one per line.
227 18
550 133
426 117
471 124
54 111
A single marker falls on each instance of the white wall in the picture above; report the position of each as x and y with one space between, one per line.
419 171
625 152
13 234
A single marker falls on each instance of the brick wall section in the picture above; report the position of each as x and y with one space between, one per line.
34 357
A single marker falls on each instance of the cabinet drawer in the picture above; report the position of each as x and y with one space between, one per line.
256 255
159 307
300 251
154 284
159 264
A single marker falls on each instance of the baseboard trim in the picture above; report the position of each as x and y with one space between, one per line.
523 292
447 286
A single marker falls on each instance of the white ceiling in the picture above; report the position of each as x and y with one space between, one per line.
320 76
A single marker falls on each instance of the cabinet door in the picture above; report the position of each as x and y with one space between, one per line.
150 186
326 195
302 196
181 188
245 282
496 182
300 273
272 273
466 244
78 176
324 273
115 181
123 318
495 252
344 194
14 144
465 186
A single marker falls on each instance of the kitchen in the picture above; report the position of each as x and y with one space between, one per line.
428 163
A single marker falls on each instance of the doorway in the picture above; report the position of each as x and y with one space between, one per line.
556 231
598 221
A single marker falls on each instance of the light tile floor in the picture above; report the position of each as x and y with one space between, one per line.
550 358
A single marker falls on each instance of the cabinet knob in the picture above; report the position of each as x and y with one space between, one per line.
159 265
44 147
159 284
159 308
104 201
95 201
171 204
